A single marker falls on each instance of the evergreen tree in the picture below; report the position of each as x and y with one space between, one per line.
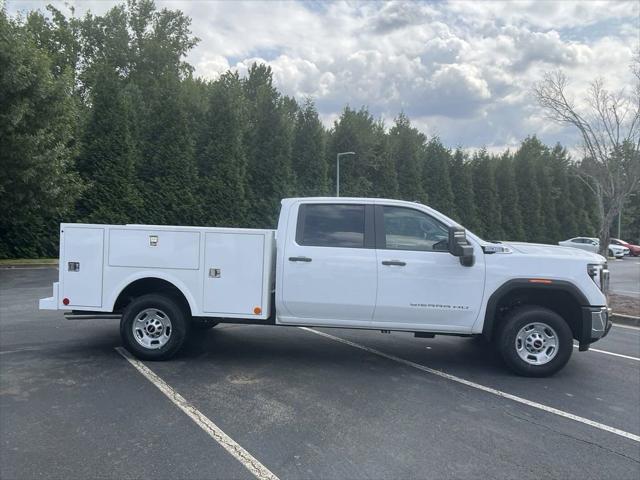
576 192
550 232
486 196
462 185
529 196
406 144
591 210
168 172
222 161
58 37
382 168
107 160
565 208
435 174
268 141
357 131
308 156
38 185
508 198
630 228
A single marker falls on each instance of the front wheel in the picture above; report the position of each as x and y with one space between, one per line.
154 327
535 341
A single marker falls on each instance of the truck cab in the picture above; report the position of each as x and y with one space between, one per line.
362 263
379 264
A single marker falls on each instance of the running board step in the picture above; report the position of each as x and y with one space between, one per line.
424 335
92 316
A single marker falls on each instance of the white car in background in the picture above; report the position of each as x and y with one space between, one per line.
591 244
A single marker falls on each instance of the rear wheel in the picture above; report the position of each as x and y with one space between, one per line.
154 327
535 341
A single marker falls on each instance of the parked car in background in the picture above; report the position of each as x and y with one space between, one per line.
591 244
583 243
617 251
634 250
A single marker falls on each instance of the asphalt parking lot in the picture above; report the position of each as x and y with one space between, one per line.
625 276
303 404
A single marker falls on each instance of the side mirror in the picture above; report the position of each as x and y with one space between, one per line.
460 247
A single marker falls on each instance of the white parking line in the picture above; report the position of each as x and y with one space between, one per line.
626 292
499 393
20 350
628 327
611 353
245 458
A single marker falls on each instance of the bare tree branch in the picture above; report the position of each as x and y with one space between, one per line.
609 126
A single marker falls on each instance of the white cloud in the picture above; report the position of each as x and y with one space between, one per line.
542 14
461 69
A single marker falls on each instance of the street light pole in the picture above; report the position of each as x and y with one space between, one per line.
338 170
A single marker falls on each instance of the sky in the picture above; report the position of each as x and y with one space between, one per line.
460 70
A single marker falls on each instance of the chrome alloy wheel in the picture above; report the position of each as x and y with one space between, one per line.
537 343
152 328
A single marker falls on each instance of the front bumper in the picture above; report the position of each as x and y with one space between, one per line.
596 323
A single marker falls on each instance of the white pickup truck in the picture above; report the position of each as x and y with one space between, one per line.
336 262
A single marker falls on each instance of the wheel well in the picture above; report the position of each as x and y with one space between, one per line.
560 301
144 286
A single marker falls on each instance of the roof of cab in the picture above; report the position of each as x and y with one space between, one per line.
350 200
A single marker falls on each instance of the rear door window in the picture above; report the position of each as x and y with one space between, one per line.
331 225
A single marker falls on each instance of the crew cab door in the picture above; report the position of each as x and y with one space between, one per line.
329 271
420 284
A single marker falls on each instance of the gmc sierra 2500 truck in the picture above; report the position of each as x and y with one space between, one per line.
336 262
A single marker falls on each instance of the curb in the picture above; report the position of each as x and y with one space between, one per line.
625 319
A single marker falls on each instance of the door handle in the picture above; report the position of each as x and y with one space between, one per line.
394 262
299 259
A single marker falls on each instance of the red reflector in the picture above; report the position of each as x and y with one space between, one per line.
65 301
540 280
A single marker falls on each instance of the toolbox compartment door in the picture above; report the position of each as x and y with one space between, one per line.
234 274
148 248
81 270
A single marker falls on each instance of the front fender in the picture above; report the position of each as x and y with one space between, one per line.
526 284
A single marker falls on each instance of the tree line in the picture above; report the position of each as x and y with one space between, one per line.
103 121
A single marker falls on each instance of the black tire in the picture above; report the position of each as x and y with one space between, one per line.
179 326
522 317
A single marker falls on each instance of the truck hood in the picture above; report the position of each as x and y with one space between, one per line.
544 250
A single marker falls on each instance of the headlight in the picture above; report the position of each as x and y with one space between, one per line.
599 273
